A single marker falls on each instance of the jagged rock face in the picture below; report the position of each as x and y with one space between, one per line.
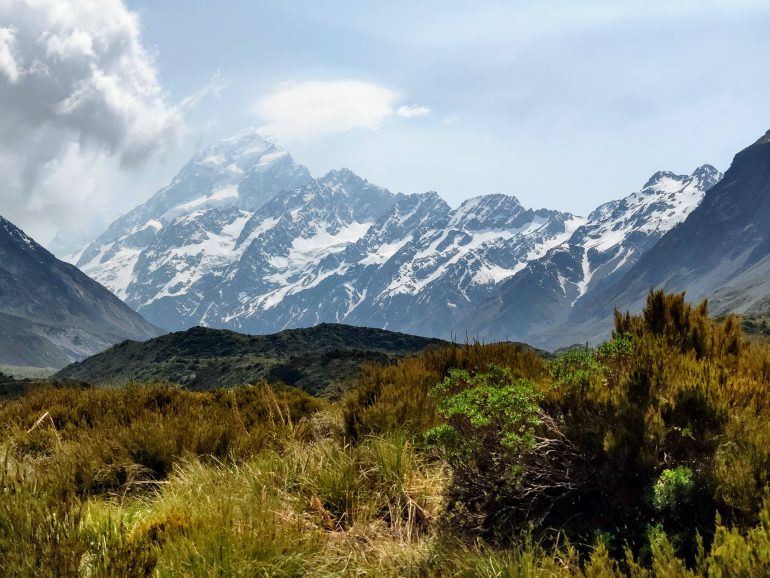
419 267
243 238
52 314
721 252
612 240
242 172
438 276
228 279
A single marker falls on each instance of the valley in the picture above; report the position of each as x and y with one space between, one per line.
384 290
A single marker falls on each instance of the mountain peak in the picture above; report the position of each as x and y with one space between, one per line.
246 137
658 177
707 175
342 175
241 150
764 139
492 198
431 197
705 169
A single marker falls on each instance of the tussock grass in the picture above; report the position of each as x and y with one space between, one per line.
317 508
665 429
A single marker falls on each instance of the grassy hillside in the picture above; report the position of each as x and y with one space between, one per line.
646 457
757 326
323 359
27 372
23 344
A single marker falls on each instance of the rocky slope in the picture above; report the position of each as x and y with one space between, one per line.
52 314
615 237
720 252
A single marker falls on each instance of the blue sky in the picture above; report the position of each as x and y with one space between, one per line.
564 104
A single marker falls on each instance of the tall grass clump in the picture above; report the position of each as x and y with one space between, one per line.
646 456
44 535
93 441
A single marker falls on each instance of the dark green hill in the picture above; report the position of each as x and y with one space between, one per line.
322 360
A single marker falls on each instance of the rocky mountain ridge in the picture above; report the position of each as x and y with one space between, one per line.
244 238
50 312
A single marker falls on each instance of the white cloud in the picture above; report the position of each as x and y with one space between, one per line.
301 111
412 110
75 177
78 91
8 64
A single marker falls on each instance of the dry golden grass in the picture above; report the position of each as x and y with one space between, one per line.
158 481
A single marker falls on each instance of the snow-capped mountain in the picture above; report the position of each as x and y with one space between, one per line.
612 240
721 252
418 268
239 173
441 273
223 267
244 238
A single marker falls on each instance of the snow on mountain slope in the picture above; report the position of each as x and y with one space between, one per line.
618 232
613 238
219 265
720 252
442 273
245 238
244 172
416 269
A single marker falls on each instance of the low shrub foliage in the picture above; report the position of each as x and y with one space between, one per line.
646 456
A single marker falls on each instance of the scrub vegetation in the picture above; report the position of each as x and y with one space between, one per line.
647 456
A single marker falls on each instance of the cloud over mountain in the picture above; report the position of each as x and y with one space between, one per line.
302 111
77 87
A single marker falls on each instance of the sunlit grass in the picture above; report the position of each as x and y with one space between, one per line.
153 480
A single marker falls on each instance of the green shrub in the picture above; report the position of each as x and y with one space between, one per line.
658 426
395 397
673 489
491 440
489 412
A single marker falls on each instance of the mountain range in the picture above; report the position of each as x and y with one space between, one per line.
50 312
721 252
597 256
245 238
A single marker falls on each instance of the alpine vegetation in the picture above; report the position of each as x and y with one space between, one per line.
645 456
